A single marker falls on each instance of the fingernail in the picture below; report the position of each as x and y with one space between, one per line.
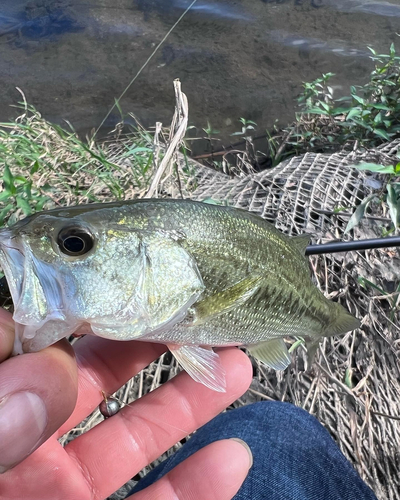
23 419
247 447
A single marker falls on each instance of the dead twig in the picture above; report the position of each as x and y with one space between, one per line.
177 133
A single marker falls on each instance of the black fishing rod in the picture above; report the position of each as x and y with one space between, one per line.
352 246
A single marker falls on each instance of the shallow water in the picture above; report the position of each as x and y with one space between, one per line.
235 58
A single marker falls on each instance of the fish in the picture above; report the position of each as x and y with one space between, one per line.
187 274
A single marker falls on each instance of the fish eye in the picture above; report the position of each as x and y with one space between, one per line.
75 241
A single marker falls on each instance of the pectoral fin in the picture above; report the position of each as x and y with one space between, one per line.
273 353
225 300
203 365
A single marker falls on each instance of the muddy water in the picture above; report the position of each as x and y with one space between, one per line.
235 58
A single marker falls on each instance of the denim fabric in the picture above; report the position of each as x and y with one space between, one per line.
295 458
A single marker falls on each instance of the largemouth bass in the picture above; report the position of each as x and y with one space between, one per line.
186 274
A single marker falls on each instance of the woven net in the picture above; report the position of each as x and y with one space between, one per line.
353 388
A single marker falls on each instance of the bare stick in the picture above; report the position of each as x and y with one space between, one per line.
177 133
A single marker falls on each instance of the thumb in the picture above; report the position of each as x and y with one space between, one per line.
37 394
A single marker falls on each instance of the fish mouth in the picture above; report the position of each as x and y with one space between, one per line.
12 263
39 308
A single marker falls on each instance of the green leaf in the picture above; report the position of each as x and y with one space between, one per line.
35 168
315 111
362 124
296 344
325 106
40 203
397 168
343 99
382 133
4 212
28 190
364 282
339 111
24 205
387 232
5 195
337 210
359 213
381 106
118 106
393 203
353 112
9 180
348 378
20 179
376 167
138 150
358 99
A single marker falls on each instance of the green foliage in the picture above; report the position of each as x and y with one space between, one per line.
19 193
359 212
210 131
248 126
43 165
369 116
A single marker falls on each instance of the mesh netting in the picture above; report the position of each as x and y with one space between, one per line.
354 386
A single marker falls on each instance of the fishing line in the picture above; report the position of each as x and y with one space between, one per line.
144 65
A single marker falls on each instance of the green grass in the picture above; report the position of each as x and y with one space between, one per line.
43 165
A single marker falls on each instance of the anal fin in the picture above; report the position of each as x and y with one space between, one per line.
273 353
203 365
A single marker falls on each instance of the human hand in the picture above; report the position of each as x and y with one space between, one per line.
43 395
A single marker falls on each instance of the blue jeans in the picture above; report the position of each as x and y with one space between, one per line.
295 458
